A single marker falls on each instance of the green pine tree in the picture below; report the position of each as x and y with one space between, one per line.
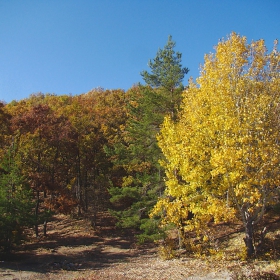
139 154
167 74
15 201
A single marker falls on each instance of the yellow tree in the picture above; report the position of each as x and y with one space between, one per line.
223 154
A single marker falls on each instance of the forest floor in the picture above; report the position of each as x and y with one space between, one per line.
74 250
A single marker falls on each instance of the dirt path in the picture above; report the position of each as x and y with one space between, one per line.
73 250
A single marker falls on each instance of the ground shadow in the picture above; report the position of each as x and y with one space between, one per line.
72 245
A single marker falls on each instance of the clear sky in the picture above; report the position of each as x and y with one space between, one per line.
73 46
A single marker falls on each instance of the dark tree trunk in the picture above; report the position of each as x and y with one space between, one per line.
37 213
86 191
95 207
45 228
249 242
79 192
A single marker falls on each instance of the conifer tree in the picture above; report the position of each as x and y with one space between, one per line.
15 201
139 154
167 74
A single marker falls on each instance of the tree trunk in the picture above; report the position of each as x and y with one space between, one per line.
94 219
45 228
249 237
181 235
37 212
79 192
86 191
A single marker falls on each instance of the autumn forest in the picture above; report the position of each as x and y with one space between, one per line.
161 157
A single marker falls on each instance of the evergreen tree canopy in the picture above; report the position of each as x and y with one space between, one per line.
166 69
139 153
15 201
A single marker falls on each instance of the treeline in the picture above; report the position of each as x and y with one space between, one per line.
159 155
53 158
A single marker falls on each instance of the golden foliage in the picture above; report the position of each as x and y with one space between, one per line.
223 154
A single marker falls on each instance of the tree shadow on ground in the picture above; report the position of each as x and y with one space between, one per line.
72 245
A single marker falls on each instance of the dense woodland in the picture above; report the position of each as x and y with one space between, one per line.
160 156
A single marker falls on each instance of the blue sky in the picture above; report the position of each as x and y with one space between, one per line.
65 46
